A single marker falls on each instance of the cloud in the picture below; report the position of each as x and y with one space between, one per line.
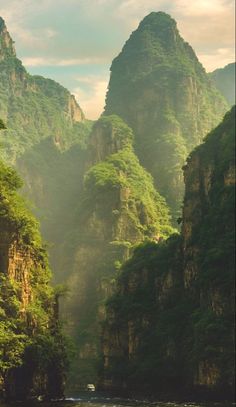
40 61
82 35
71 29
224 55
91 94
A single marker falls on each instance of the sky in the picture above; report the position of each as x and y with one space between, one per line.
74 41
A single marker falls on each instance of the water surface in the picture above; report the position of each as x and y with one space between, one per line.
97 401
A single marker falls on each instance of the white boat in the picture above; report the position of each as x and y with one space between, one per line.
90 387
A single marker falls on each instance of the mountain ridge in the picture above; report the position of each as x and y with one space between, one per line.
161 90
36 101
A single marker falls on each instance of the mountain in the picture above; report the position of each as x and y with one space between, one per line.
118 208
32 107
32 349
224 80
45 140
160 89
93 198
92 194
169 329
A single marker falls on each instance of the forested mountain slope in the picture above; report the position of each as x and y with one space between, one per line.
169 329
119 207
45 140
164 94
32 349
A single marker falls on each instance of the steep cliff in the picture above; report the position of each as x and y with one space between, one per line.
163 93
45 140
208 245
169 329
32 350
33 107
141 341
119 207
224 80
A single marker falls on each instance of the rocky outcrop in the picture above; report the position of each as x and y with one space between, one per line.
7 46
208 246
169 329
160 89
32 107
16 263
118 208
46 140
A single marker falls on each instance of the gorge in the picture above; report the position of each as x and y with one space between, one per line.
149 307
175 299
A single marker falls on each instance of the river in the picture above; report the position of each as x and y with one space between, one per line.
96 401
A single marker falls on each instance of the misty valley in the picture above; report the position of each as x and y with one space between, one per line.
117 235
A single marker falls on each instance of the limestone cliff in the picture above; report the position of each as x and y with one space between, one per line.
45 140
118 208
169 329
208 246
33 107
27 321
7 48
163 93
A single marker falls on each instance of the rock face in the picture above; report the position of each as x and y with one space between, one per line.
32 107
208 246
170 326
224 80
119 207
28 327
163 93
7 48
45 140
95 220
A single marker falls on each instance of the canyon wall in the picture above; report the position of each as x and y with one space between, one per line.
169 329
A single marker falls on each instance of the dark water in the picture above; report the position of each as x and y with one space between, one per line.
96 401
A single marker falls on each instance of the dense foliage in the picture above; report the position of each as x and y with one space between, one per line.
158 86
121 171
169 328
31 113
119 207
213 235
161 90
27 302
148 315
46 140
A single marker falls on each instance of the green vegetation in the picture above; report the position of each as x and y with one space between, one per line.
119 207
2 125
214 236
13 209
121 171
120 174
33 355
32 114
46 140
96 202
169 328
224 80
163 93
34 108
149 321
